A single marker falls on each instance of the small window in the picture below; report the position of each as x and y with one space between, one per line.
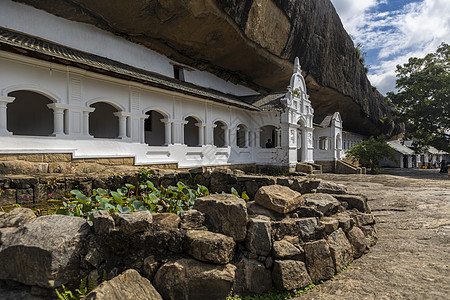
323 143
178 73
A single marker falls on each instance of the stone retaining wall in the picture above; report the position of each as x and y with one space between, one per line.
224 245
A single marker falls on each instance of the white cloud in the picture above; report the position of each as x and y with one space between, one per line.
412 31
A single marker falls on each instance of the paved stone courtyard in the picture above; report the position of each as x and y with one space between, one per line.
412 257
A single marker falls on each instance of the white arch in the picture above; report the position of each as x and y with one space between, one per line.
157 109
220 120
193 116
32 88
301 119
106 100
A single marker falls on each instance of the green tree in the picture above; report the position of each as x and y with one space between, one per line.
423 98
370 152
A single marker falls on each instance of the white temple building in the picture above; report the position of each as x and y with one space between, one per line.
68 87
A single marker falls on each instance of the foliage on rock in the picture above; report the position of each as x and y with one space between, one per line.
130 198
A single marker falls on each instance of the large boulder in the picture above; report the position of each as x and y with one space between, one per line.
358 241
224 213
259 236
279 198
191 279
209 246
130 223
17 217
318 260
341 250
251 277
128 285
45 252
324 203
290 275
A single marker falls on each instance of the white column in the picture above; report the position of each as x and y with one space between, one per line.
86 123
142 130
122 127
167 132
258 138
226 135
201 134
277 143
247 137
58 119
3 115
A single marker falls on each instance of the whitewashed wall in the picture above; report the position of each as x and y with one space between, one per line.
73 90
91 39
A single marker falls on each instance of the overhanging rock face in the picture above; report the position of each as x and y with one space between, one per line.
252 42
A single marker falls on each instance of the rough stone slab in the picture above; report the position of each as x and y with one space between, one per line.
209 246
194 280
192 219
279 198
130 223
128 285
330 225
371 234
341 250
329 187
290 275
284 249
324 203
251 277
103 222
259 236
254 209
303 227
318 260
166 220
358 241
224 213
17 217
308 212
44 252
354 201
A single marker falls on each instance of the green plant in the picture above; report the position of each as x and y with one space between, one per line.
243 195
144 175
130 198
274 294
87 284
370 152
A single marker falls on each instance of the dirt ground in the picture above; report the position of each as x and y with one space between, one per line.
412 257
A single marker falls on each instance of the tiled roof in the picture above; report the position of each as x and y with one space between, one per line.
323 120
18 42
397 146
265 101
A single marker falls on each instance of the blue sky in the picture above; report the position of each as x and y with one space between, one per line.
391 31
